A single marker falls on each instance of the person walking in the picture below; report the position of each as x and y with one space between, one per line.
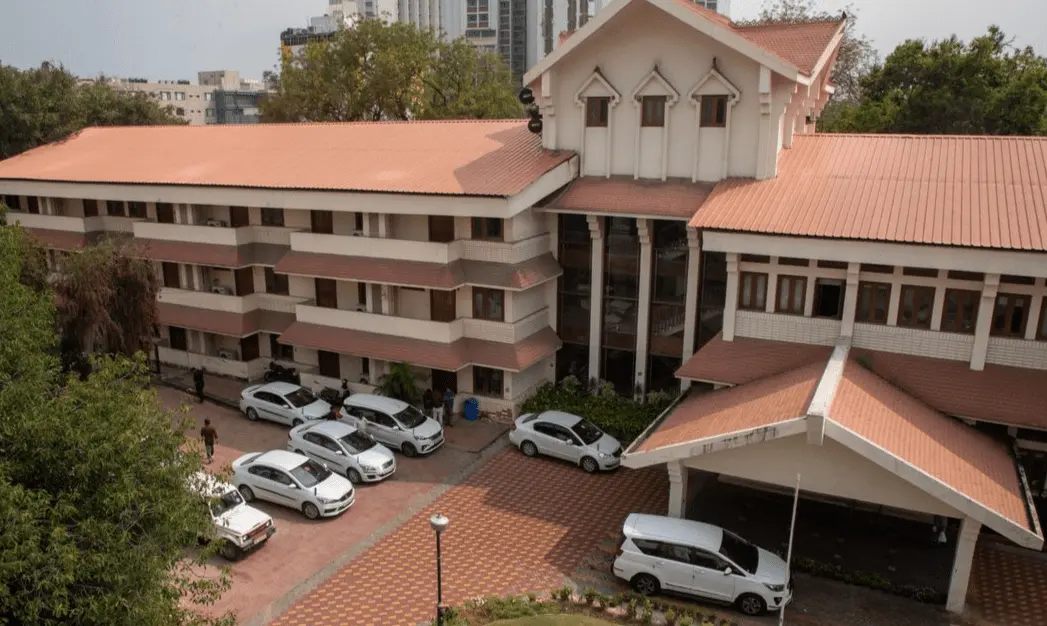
210 435
427 403
436 400
198 382
448 401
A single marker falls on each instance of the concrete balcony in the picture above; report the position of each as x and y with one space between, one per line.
57 222
243 370
425 330
376 247
505 332
503 252
229 303
213 235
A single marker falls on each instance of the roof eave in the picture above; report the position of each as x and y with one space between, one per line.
708 445
828 53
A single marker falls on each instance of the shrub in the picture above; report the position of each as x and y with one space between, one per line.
605 600
532 597
631 608
590 595
685 620
623 418
648 615
563 594
670 617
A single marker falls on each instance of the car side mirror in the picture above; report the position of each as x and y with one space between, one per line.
292 486
339 453
727 571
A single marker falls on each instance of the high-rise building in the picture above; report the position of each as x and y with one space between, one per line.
197 103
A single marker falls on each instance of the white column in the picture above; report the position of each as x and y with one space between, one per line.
596 296
383 225
198 279
677 489
731 306
984 323
766 138
387 300
961 567
697 138
643 316
691 321
894 303
636 134
1032 327
850 300
938 308
190 217
184 276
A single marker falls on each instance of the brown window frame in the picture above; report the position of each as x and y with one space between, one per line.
1041 329
276 283
652 111
969 296
597 111
272 217
182 342
1009 307
480 229
323 363
917 291
278 351
115 208
752 290
791 307
483 312
483 379
32 205
714 112
137 209
13 202
873 289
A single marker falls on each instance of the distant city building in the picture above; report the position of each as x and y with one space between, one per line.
237 107
196 103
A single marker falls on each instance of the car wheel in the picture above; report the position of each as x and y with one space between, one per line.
646 584
296 423
409 450
354 476
751 604
529 449
247 493
590 465
230 551
252 414
310 511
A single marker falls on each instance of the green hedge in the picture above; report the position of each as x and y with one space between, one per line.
622 418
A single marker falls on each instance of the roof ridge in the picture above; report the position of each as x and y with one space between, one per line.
273 124
744 24
918 136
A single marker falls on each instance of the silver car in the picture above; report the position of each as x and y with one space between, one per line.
344 449
393 422
294 481
568 437
285 403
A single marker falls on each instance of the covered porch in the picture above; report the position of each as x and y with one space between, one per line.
857 442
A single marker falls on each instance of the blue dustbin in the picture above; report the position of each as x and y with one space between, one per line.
471 409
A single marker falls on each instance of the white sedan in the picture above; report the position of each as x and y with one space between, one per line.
344 449
284 403
568 437
294 481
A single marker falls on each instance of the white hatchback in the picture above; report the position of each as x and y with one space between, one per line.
683 556
238 526
344 449
284 403
294 481
393 422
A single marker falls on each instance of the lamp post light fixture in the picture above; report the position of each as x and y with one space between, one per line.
439 524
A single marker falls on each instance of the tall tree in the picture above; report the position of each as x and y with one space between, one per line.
390 71
45 104
856 55
97 517
984 86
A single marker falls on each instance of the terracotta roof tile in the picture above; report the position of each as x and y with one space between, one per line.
953 453
983 192
745 360
188 252
58 239
673 198
206 320
468 157
443 356
757 404
417 274
1007 395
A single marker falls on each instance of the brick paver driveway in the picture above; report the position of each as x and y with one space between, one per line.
517 525
1008 587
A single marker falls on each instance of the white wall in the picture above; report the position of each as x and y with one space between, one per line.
527 302
409 227
412 304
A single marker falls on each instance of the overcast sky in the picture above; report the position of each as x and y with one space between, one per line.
174 39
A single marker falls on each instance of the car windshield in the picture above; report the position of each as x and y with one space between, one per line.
357 442
410 417
229 500
300 397
740 551
587 432
310 474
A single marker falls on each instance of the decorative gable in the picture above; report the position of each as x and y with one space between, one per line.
714 84
654 84
597 86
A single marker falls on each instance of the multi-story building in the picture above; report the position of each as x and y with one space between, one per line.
195 103
864 311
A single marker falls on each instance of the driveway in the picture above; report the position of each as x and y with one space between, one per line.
301 551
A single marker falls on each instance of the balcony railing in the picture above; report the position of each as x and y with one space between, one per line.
375 247
229 303
57 222
215 235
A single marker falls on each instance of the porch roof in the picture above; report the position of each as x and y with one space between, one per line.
213 255
223 322
745 360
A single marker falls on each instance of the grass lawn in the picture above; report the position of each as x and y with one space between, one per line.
553 620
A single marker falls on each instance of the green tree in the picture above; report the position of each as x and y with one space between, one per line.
985 86
401 382
45 104
97 517
390 71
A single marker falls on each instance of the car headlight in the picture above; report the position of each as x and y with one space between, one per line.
775 588
604 455
324 500
370 469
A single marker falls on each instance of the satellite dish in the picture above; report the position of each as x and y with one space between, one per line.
535 125
532 110
526 95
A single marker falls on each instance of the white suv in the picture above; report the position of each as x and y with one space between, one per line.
682 556
397 424
238 526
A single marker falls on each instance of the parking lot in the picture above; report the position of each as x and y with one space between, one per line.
301 552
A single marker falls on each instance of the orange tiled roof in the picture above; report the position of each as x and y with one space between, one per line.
443 356
968 461
745 360
468 157
210 254
58 239
766 402
1008 395
223 322
622 194
982 192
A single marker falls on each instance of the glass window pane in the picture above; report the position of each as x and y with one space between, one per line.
746 291
783 295
798 303
761 291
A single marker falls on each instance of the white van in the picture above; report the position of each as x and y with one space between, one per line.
238 526
682 556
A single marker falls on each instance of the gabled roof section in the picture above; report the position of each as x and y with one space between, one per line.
714 75
794 50
663 87
597 78
745 360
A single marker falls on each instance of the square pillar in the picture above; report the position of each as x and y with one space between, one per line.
677 489
961 568
984 324
850 300
387 300
643 316
731 306
596 296
691 321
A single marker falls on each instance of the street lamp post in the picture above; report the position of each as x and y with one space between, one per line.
439 524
